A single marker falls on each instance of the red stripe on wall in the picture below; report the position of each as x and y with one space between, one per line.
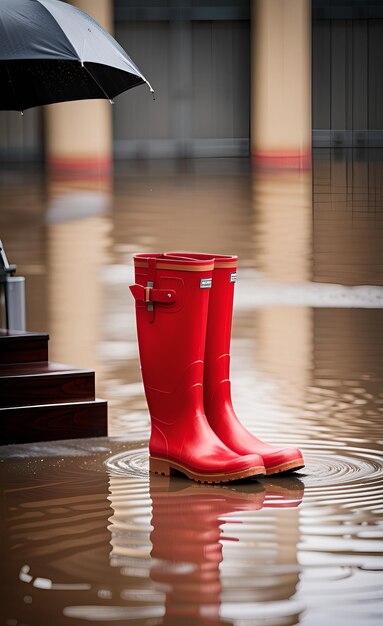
292 159
90 165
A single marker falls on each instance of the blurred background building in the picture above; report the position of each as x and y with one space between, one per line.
220 68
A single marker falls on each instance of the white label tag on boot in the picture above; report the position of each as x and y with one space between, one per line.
233 277
205 283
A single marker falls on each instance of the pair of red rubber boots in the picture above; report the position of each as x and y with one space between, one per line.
184 306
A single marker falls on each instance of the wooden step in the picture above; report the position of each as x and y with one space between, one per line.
22 347
48 422
42 401
42 382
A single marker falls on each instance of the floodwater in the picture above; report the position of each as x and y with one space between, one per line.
88 536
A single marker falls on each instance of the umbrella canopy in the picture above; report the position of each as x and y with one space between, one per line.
51 52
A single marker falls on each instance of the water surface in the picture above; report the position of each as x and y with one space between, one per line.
89 537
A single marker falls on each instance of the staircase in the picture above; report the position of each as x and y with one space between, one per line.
43 401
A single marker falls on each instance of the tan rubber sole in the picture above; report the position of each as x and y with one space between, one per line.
289 466
167 468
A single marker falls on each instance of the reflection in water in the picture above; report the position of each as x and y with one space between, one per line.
282 204
22 205
186 544
82 546
77 231
192 525
55 532
348 217
166 537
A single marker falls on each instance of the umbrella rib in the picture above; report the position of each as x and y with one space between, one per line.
97 83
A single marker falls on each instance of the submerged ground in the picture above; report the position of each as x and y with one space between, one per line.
88 537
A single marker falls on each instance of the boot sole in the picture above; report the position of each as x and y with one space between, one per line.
289 466
169 468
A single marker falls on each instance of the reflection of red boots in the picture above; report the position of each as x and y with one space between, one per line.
283 492
172 297
187 549
217 397
190 523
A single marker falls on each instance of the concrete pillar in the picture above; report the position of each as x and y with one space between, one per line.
79 133
281 83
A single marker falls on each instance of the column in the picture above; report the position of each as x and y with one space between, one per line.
79 133
281 83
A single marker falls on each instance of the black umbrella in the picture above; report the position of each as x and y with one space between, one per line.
51 52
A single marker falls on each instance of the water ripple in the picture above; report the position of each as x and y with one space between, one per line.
355 473
328 469
134 463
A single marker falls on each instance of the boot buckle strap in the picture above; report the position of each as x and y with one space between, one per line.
163 296
150 295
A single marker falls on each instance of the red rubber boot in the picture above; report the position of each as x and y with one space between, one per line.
217 395
172 297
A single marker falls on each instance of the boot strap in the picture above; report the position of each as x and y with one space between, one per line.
150 294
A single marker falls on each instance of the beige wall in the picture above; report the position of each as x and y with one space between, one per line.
79 134
281 82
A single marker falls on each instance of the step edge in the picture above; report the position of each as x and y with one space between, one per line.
57 373
25 337
55 404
